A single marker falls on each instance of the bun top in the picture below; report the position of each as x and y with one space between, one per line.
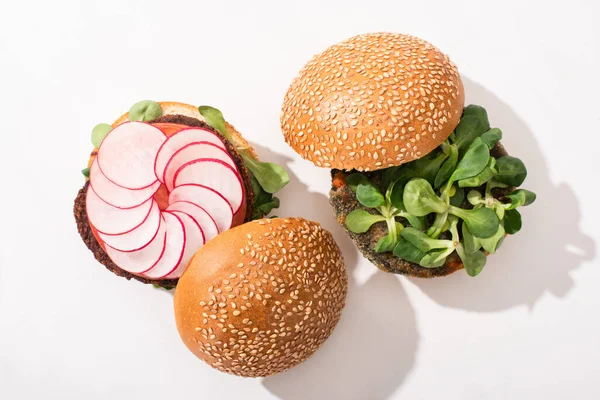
371 102
261 297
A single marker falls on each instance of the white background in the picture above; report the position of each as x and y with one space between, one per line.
527 328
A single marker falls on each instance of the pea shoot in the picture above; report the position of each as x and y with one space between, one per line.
447 201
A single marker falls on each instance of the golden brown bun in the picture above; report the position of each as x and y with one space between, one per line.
371 102
262 297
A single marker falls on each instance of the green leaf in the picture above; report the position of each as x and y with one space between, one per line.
270 176
420 199
388 175
492 137
145 110
468 129
407 251
99 133
471 243
521 197
435 258
478 112
482 222
359 221
429 166
264 202
386 244
511 171
473 262
500 210
457 199
396 194
214 118
474 197
447 167
473 162
416 222
369 195
492 243
481 178
354 179
86 172
512 221
422 241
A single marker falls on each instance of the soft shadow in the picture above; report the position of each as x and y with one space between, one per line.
540 258
373 348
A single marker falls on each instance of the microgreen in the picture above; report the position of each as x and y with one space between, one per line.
485 175
511 171
359 221
447 167
270 176
482 222
145 110
521 197
512 221
369 195
468 129
455 183
420 199
99 132
478 112
491 137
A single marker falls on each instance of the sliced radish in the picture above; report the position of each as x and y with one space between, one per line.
141 260
194 239
214 174
116 195
199 214
174 247
214 203
139 237
190 152
111 220
179 140
127 154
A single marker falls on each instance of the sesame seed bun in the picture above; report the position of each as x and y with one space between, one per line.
262 297
371 102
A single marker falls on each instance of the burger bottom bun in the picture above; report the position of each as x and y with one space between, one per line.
343 200
262 297
87 234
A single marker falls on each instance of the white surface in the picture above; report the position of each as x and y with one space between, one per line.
527 328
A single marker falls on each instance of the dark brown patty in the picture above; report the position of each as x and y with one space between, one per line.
83 226
343 200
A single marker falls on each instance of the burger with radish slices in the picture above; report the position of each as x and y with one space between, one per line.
163 180
420 182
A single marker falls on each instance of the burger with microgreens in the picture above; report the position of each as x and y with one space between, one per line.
420 181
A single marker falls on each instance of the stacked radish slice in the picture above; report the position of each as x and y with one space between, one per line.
133 162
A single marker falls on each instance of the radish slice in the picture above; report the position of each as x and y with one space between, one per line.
211 201
214 174
115 195
179 140
199 214
190 152
194 240
174 246
126 155
140 261
139 237
111 220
